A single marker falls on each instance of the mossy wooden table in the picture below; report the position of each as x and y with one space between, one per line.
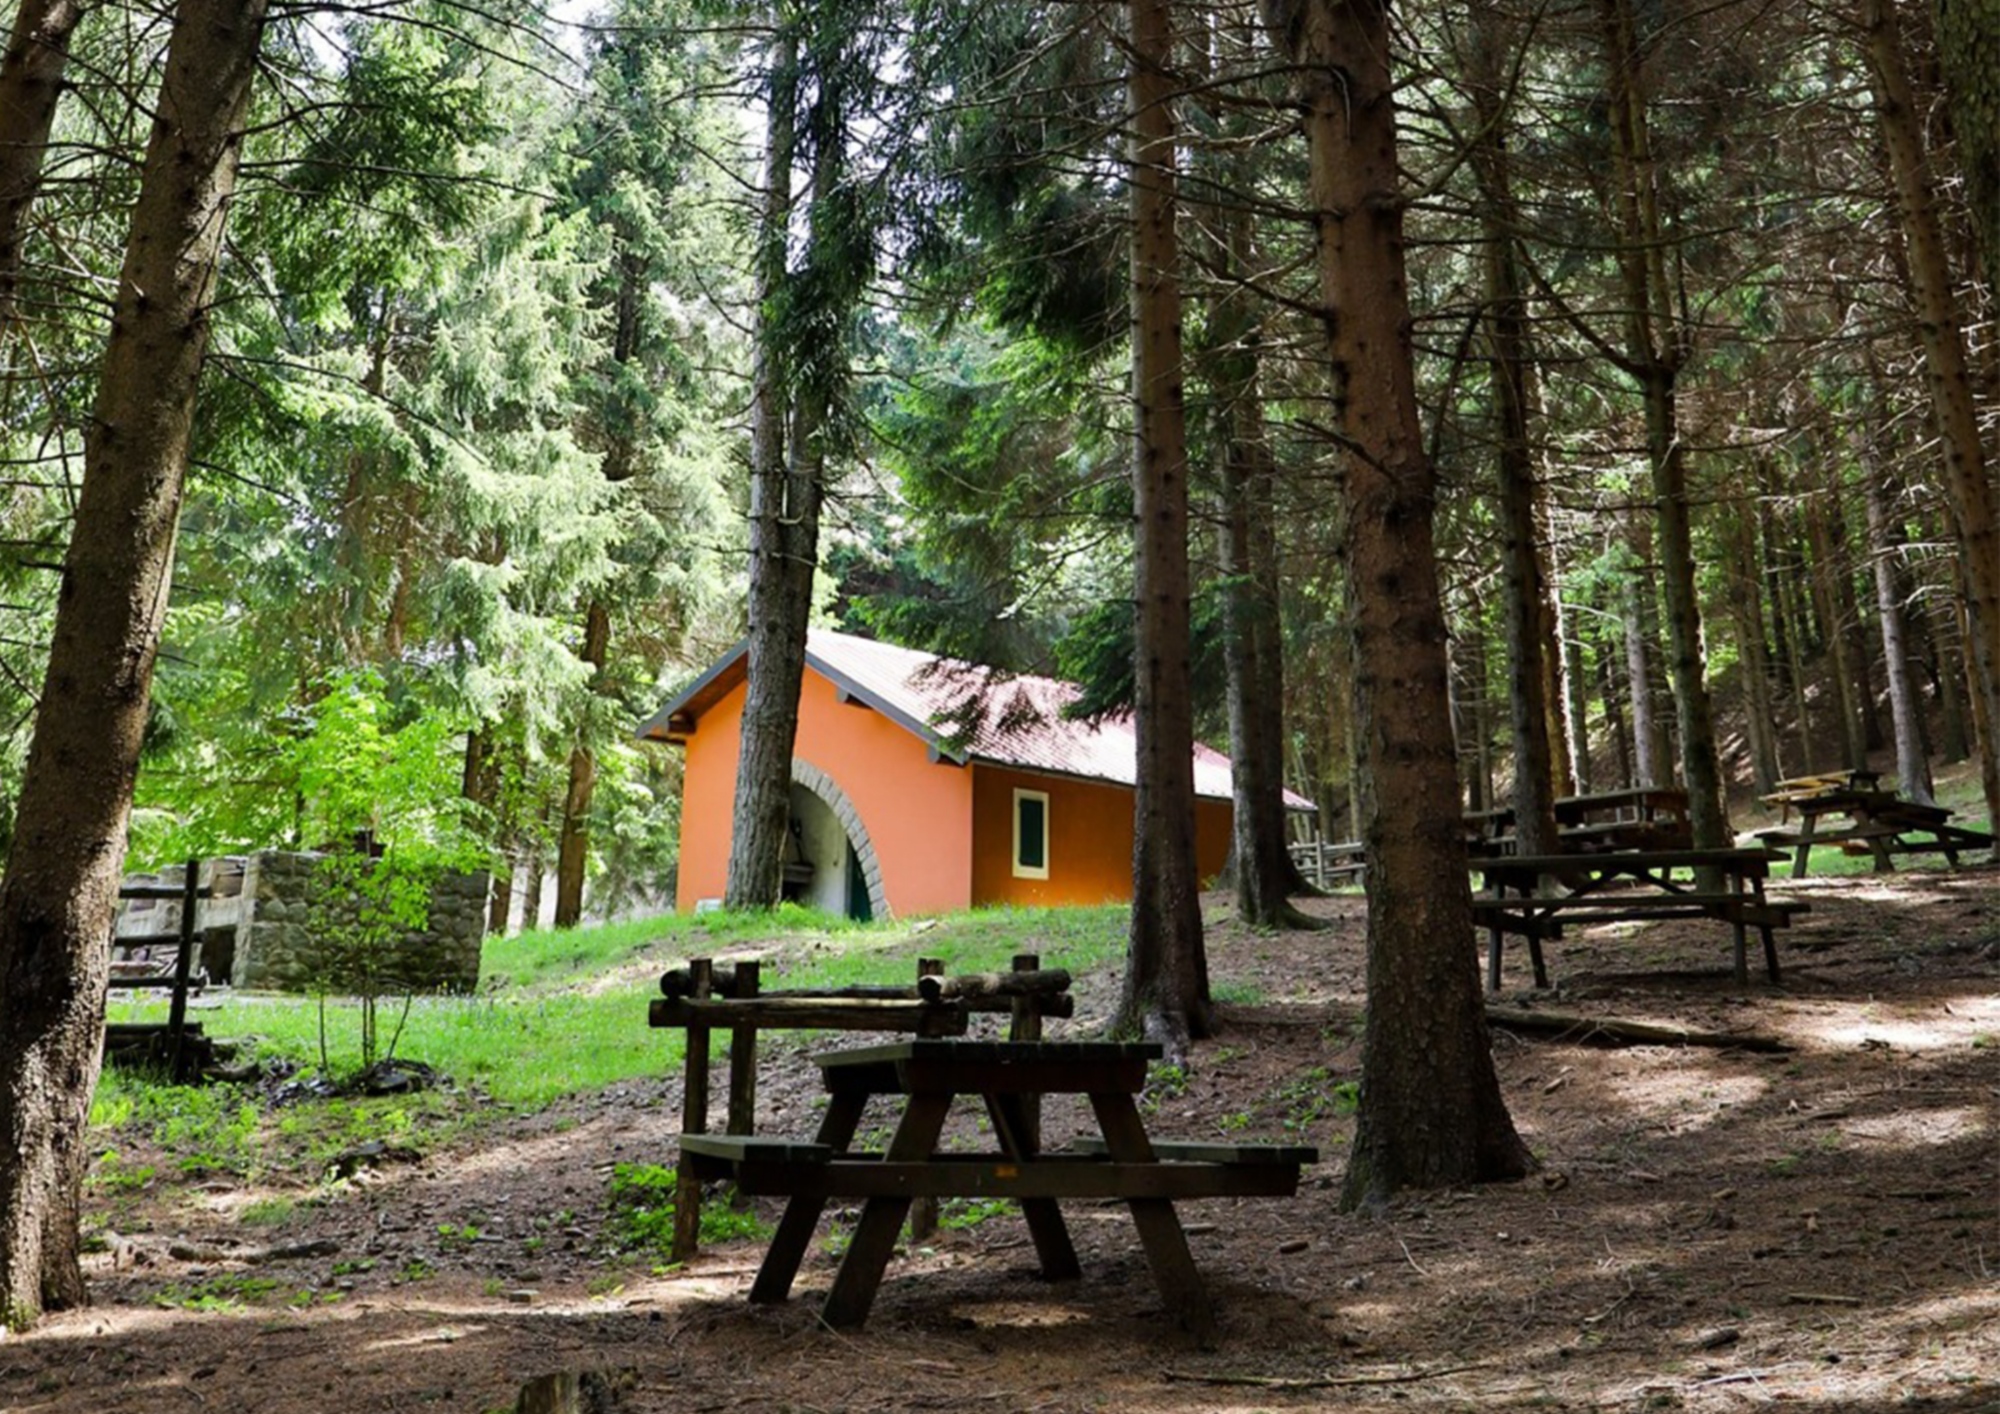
1008 1077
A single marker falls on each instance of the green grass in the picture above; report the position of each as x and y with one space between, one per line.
557 1013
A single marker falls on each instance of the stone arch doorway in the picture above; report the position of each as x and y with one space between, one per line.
846 874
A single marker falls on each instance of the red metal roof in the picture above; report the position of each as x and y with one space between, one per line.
965 711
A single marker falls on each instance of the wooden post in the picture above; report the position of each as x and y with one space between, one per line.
1026 1025
183 966
924 1211
743 1060
694 1120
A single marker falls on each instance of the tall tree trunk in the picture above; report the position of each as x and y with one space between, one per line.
1968 480
1759 722
1527 599
1649 737
1656 351
784 542
1431 1111
1166 972
1861 645
1622 740
31 80
1794 638
1947 664
573 834
1252 642
1576 689
1846 692
61 883
1913 766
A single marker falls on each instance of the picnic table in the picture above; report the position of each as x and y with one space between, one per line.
1636 817
1534 895
1847 809
1008 1078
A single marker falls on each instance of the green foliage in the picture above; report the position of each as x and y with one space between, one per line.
960 1214
1309 1098
639 1213
224 1292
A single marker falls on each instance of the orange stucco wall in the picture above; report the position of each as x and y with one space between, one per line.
918 813
1090 839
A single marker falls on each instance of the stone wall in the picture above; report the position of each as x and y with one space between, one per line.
277 950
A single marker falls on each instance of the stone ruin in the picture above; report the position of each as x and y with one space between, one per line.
256 930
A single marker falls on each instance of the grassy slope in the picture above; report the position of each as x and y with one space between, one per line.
557 1013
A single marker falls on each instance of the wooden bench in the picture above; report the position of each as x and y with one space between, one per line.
783 1167
179 1043
1344 862
1206 1151
1639 886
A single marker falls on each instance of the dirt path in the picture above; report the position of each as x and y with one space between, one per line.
1711 1229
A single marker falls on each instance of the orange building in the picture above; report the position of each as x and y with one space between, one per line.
899 808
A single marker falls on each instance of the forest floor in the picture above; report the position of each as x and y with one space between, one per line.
1711 1229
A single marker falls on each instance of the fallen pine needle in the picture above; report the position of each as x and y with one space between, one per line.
1288 1382
1820 1298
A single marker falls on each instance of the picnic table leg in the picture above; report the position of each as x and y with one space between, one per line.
1808 827
795 1229
1742 950
1013 1126
1159 1229
1540 964
860 1274
1770 939
694 1120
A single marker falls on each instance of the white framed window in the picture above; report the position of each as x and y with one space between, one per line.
1031 834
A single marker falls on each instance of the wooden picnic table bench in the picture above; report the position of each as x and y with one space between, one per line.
1865 820
1008 1078
1534 895
701 999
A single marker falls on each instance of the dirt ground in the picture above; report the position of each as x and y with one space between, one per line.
1712 1229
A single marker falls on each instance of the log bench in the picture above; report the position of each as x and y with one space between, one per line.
1534 896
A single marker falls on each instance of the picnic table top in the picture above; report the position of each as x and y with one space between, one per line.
991 1052
1755 860
1628 795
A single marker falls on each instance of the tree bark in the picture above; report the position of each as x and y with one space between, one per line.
31 81
1649 737
1431 1112
61 883
573 834
1576 689
1846 691
1509 361
1968 479
1656 350
784 543
1165 992
1753 657
1913 766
